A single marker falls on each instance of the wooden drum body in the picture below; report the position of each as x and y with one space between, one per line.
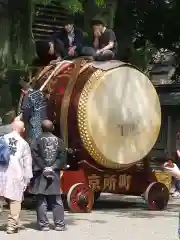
110 113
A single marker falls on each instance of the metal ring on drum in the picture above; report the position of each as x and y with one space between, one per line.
119 116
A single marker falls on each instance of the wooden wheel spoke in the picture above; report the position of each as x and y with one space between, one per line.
157 196
74 200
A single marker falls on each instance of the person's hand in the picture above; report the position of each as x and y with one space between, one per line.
71 51
173 171
18 118
99 51
47 169
97 34
51 49
70 150
25 187
26 182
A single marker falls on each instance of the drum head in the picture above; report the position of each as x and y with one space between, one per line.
119 116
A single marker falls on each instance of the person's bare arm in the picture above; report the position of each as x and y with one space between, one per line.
178 153
111 43
52 39
178 175
173 171
96 43
51 48
27 164
108 47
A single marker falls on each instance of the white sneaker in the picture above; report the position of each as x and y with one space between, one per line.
176 194
172 191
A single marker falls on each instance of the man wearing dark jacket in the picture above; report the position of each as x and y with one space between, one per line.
67 43
49 155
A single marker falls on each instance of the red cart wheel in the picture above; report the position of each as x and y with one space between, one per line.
80 198
157 196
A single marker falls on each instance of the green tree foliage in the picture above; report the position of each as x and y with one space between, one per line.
141 26
136 22
77 5
74 5
157 21
154 21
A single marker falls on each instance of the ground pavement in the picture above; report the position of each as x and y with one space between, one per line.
110 220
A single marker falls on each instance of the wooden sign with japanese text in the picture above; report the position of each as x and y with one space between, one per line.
112 183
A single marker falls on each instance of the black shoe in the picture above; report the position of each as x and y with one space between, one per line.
60 228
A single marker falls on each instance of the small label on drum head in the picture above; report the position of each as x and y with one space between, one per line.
126 129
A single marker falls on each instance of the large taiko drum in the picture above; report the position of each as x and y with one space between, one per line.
110 110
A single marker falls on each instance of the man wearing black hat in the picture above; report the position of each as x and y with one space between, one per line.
68 42
104 42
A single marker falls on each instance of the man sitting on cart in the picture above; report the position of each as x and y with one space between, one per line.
67 43
104 41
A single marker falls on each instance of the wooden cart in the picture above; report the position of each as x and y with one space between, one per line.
84 186
109 114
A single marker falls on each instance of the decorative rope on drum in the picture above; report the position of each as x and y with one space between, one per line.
66 100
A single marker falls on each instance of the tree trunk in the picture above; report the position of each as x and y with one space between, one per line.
5 96
21 48
108 12
20 17
90 11
124 24
16 49
4 33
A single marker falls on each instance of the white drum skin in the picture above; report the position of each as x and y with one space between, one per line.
122 116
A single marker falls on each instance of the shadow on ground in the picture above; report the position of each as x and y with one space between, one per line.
33 224
130 208
134 209
29 221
